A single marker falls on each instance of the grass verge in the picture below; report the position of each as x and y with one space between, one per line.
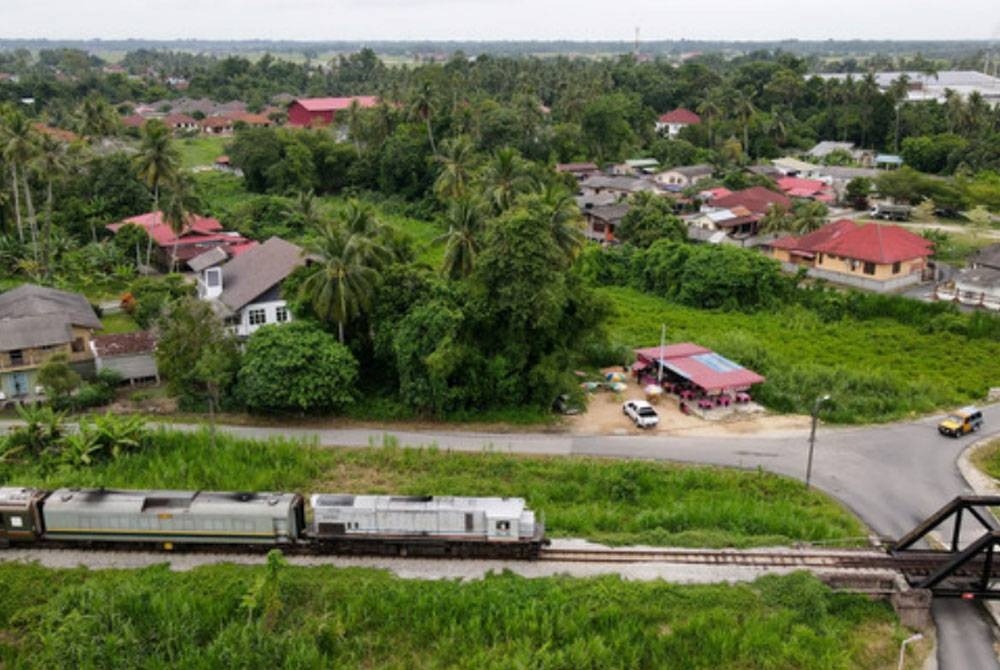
322 617
608 501
987 459
875 370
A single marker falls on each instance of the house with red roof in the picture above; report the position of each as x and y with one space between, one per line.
672 123
309 112
180 123
807 189
756 198
201 234
871 256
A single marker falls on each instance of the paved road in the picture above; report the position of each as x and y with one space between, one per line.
892 476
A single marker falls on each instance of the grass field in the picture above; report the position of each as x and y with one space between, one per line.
876 370
201 150
288 617
603 500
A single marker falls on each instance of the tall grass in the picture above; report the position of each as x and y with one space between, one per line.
875 370
610 501
243 617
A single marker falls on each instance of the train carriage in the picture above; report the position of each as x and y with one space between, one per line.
184 517
19 520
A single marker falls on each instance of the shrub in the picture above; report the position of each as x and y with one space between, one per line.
296 367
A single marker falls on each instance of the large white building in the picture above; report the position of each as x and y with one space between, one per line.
247 290
932 86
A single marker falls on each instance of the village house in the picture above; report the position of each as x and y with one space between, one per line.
308 112
977 285
621 187
36 323
807 189
129 355
218 125
757 199
635 167
246 291
736 222
684 176
198 236
869 256
579 170
823 149
180 123
672 123
602 221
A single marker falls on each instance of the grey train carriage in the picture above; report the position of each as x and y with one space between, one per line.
426 525
172 517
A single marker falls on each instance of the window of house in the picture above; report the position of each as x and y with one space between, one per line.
257 317
598 227
896 267
213 277
17 357
503 525
869 268
78 345
281 314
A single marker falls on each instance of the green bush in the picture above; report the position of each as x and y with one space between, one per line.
296 367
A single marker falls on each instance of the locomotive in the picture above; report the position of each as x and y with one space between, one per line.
446 526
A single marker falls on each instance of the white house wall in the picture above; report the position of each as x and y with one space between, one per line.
244 329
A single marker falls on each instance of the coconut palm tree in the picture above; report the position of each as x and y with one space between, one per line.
51 163
422 105
96 117
18 150
504 178
466 220
158 161
360 220
457 160
178 204
341 287
709 109
744 108
562 217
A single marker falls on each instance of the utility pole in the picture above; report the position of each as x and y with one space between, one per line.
663 343
636 52
812 437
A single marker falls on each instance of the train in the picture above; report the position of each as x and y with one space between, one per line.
336 523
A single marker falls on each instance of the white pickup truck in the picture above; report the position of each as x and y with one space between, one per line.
641 413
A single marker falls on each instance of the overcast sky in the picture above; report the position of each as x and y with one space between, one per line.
501 19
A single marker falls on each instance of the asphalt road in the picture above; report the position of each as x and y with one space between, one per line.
892 476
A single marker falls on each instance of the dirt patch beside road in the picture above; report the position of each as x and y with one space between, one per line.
604 417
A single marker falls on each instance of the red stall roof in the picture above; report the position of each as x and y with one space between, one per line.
703 367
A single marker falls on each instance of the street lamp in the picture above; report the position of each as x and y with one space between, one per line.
902 648
812 437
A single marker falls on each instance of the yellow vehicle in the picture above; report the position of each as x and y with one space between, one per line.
961 422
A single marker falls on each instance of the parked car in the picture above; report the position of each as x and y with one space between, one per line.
641 413
961 422
890 212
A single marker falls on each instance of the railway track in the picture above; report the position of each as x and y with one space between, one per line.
805 559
